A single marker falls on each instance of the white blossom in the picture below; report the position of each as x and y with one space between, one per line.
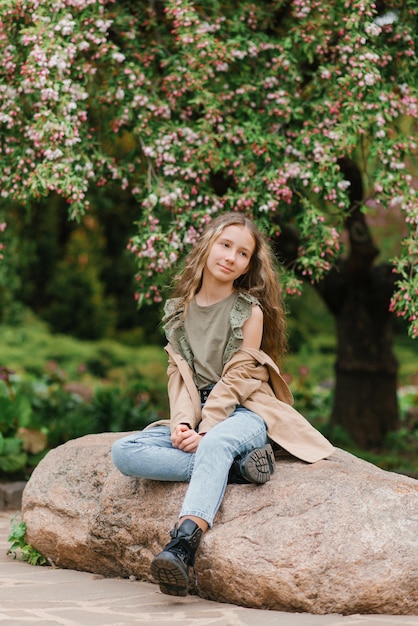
369 79
66 25
119 57
104 25
373 29
52 155
386 18
343 184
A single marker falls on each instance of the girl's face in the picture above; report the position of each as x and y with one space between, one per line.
230 254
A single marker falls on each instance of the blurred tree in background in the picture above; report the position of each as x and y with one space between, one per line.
298 112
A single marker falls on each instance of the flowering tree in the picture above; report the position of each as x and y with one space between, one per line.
201 107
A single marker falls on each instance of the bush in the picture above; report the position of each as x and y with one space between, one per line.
77 305
37 414
66 415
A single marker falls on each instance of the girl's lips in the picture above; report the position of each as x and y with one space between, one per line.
225 269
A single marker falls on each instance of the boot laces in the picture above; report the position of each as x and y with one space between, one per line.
182 549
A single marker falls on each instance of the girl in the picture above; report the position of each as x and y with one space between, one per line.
225 328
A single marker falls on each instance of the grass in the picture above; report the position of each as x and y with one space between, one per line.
30 349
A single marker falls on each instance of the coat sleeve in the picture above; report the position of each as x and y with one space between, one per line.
182 409
238 383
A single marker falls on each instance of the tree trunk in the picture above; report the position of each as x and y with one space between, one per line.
358 294
365 397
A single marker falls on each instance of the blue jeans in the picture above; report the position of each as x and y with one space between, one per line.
150 454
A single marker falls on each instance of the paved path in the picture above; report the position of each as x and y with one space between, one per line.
57 597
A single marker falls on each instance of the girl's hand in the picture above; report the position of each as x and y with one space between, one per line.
185 438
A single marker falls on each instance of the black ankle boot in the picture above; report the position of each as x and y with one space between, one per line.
171 567
256 467
235 477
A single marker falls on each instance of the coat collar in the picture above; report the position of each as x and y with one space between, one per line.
277 381
240 357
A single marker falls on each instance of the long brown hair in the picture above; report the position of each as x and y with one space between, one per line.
260 280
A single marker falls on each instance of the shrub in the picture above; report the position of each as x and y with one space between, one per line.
40 414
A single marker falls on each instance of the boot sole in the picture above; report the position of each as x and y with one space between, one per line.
259 465
169 574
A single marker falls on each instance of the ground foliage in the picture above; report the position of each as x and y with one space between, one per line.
200 107
58 388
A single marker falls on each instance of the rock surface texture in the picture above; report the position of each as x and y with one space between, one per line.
339 536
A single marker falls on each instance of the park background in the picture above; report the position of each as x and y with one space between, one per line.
126 125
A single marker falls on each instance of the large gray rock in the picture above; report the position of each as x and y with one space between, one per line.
339 536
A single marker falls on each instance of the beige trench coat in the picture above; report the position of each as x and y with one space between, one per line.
253 380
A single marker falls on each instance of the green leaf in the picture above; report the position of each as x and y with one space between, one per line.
11 464
11 446
7 413
18 543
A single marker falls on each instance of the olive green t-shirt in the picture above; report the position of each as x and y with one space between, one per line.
208 330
